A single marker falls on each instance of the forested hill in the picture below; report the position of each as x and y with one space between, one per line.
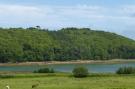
35 44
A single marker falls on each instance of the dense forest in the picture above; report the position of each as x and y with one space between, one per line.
36 44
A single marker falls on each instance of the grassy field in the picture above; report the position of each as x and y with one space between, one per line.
66 81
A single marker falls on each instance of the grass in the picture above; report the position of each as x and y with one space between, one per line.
66 81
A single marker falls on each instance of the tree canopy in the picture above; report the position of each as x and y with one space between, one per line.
36 44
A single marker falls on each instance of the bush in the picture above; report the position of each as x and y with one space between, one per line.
126 70
7 76
80 72
45 70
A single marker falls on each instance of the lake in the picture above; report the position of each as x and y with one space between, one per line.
95 68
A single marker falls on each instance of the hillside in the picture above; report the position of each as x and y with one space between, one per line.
33 44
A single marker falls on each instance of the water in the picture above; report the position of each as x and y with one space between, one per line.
95 68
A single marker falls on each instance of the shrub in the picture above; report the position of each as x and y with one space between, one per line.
80 72
126 70
44 70
7 76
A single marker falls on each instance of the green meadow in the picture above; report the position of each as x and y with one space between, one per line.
67 81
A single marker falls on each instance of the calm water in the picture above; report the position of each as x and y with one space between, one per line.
95 68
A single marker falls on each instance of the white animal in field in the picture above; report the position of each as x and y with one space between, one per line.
7 87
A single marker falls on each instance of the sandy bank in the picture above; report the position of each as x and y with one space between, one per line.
69 62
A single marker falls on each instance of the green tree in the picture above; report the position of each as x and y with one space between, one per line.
80 72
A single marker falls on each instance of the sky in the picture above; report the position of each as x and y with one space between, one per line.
109 15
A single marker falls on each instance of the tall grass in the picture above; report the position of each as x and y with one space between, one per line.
126 70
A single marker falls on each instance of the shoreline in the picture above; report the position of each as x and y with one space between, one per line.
113 61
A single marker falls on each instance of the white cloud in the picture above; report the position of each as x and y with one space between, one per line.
16 10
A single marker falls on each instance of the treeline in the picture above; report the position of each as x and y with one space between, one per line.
36 44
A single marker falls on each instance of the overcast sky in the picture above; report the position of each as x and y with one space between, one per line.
110 15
